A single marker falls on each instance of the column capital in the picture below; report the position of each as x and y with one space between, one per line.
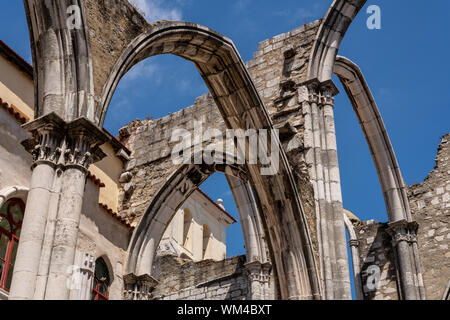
402 225
139 287
47 134
258 270
326 88
83 141
58 143
403 230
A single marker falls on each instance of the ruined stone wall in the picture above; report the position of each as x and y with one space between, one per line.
375 249
151 164
430 208
278 66
206 280
112 25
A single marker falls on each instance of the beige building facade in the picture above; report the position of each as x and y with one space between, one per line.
198 230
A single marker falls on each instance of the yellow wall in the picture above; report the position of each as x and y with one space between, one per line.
16 88
108 171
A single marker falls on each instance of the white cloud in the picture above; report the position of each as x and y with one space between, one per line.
241 5
303 15
154 10
145 70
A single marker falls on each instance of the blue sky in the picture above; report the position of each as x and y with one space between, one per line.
405 63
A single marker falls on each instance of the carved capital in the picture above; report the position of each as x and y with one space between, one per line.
47 135
139 287
55 142
83 141
321 92
403 230
258 271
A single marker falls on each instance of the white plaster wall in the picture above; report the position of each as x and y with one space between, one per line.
101 235
203 213
15 162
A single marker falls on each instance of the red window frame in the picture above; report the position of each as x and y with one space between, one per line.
97 295
101 281
13 238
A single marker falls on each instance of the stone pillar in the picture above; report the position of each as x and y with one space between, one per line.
354 247
341 275
62 153
321 154
138 287
47 133
259 275
80 150
403 235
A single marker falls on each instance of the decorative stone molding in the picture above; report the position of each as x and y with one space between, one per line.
47 135
259 275
403 230
73 144
138 287
83 140
84 277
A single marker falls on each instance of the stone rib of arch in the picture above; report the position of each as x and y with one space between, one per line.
329 38
386 164
385 161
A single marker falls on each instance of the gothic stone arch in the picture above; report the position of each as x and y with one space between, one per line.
217 60
170 198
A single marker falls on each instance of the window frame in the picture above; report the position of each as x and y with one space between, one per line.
13 239
98 283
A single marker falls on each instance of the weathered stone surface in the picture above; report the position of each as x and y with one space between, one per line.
430 208
206 280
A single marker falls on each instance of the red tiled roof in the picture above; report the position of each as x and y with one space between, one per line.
95 180
14 111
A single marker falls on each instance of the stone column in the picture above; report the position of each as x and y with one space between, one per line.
47 133
259 275
80 150
341 275
321 153
403 237
354 247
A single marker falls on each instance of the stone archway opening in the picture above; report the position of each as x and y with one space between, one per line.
239 104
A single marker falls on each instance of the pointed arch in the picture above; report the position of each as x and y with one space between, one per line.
224 72
328 40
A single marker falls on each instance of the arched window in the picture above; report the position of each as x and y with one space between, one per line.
187 228
11 216
102 281
206 238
